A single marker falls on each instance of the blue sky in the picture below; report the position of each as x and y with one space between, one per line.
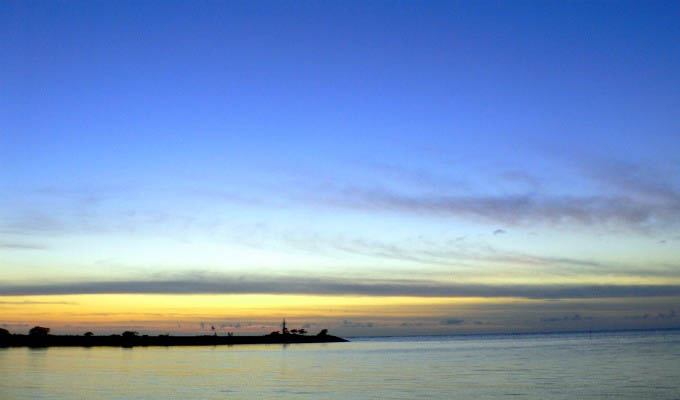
422 144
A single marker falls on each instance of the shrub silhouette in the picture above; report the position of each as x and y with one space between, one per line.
88 334
39 331
130 334
4 332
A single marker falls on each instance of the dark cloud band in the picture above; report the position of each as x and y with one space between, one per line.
339 287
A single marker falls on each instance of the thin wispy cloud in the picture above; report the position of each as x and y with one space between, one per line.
609 194
452 321
21 246
612 195
566 318
351 324
625 177
468 256
35 302
521 210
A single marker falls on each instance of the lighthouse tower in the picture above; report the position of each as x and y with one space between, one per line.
284 330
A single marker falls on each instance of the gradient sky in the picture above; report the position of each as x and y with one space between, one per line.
368 167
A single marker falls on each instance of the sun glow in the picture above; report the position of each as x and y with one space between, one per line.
164 310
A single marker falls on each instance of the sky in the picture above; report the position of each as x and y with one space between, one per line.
374 168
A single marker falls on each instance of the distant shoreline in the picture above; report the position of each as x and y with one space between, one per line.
163 340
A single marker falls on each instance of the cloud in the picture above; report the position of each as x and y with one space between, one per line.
522 178
96 209
350 324
452 321
523 209
603 193
642 316
30 222
575 317
635 180
197 284
660 315
500 232
21 246
413 324
455 253
671 314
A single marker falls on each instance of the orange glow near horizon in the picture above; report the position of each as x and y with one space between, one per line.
161 310
369 315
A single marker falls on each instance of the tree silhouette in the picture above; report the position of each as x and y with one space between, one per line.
128 334
4 332
39 331
323 332
88 334
302 331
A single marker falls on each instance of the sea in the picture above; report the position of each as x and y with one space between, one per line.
601 365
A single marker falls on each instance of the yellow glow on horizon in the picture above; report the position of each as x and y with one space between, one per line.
256 314
105 308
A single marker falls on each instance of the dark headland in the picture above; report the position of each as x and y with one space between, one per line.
133 339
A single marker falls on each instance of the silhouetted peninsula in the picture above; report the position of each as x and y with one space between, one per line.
41 338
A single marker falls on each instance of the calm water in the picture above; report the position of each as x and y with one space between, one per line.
566 366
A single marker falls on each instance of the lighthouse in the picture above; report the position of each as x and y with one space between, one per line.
284 330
